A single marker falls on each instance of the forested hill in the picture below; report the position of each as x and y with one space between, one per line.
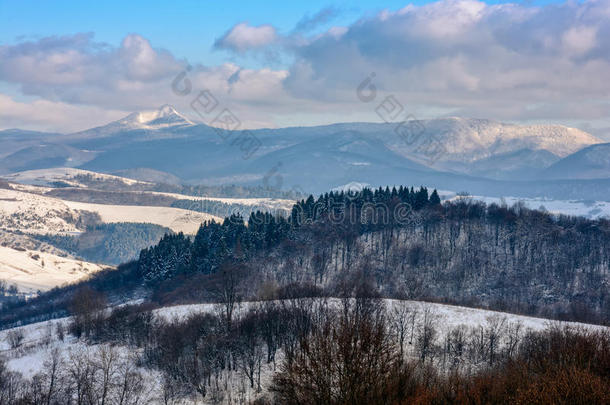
403 241
346 215
410 245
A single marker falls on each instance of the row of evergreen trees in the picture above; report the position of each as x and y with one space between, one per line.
366 207
215 243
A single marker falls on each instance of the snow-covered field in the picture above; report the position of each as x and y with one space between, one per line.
447 316
27 210
30 213
177 219
588 209
43 178
31 271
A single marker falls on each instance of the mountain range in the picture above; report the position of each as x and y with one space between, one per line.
479 156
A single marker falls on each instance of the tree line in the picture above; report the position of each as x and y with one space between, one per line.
216 243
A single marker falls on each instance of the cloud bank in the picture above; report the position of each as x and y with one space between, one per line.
454 57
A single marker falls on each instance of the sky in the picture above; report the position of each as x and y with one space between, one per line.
68 66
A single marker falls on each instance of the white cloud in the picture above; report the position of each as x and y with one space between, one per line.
580 40
497 61
243 37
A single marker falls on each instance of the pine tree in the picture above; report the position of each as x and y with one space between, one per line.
434 198
421 198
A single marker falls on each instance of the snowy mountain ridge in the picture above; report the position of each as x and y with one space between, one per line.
467 140
468 154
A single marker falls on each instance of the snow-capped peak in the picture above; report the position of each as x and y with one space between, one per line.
165 116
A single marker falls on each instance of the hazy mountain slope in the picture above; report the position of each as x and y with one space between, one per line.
334 159
521 164
13 140
148 175
590 163
44 155
188 159
167 144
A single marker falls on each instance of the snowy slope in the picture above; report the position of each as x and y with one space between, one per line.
31 271
68 175
177 219
165 116
466 139
271 204
26 213
33 213
446 316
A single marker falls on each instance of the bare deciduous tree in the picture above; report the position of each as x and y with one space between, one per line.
15 338
227 290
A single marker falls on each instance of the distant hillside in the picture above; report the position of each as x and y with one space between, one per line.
592 162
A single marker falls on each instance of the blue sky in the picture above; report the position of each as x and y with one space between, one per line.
187 28
71 65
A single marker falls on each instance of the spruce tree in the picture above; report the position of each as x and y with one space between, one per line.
434 198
